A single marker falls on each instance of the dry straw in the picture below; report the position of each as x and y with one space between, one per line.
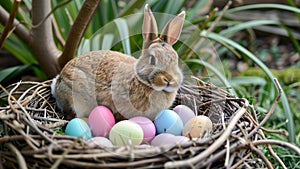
29 137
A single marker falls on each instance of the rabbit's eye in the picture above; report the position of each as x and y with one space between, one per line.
152 60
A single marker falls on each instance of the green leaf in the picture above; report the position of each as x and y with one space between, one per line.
95 42
84 47
249 24
191 13
258 6
11 72
108 41
164 10
19 49
28 4
248 80
124 34
130 8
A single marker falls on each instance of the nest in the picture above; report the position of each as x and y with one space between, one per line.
30 136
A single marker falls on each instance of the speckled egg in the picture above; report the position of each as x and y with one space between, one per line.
168 121
126 132
101 120
78 128
184 112
198 127
147 126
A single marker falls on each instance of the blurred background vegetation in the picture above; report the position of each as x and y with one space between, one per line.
241 46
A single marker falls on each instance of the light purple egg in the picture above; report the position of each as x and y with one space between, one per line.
163 139
184 112
168 139
181 139
99 141
147 126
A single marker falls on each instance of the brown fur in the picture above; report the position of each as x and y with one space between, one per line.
128 86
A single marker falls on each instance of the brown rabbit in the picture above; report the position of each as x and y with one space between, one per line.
128 86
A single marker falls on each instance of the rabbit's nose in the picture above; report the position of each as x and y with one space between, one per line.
168 82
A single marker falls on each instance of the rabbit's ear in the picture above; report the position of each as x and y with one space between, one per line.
149 27
172 30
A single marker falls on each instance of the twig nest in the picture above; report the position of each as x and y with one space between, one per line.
198 127
30 123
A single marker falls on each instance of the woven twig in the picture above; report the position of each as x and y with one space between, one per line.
30 119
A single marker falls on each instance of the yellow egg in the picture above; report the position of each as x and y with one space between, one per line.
198 127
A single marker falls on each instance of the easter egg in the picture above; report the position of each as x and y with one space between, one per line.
101 121
198 127
181 139
85 119
78 128
167 138
147 126
126 132
162 139
184 112
167 121
99 141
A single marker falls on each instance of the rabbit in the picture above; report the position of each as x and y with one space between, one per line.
129 87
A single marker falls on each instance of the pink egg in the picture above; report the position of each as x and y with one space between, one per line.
101 120
184 112
198 127
99 141
147 126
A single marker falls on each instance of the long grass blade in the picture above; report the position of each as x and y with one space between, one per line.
246 25
11 72
124 34
259 6
107 41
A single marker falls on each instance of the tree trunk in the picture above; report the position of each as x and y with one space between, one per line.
42 42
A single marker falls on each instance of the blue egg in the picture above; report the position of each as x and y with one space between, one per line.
78 128
168 121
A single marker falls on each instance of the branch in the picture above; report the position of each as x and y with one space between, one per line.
279 143
10 22
77 31
19 157
42 42
20 30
